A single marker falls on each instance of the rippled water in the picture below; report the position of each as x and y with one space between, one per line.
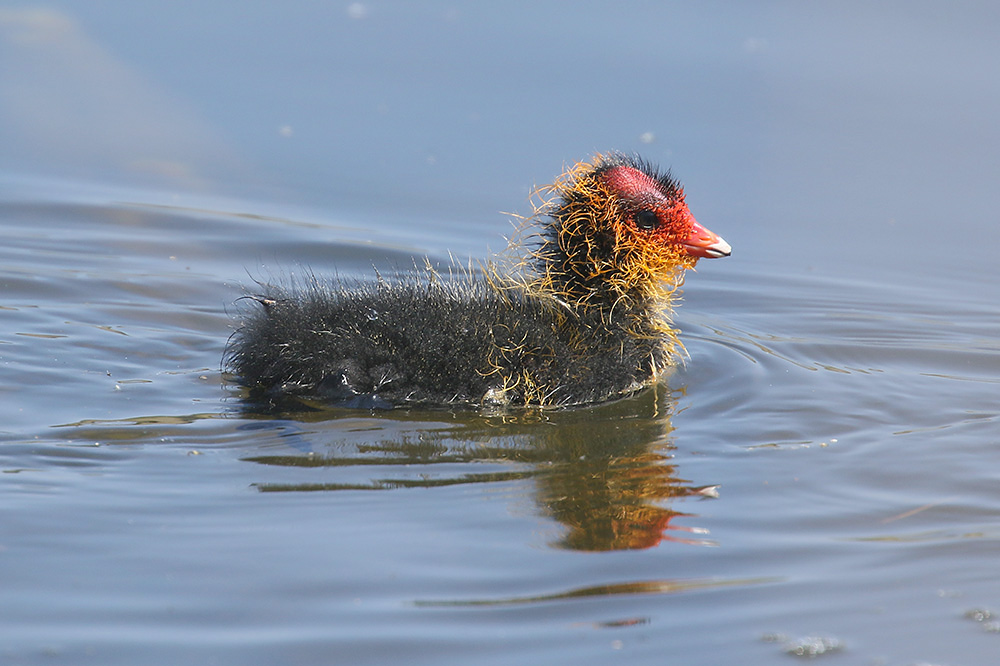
819 465
818 478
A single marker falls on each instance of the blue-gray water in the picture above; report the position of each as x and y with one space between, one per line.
821 474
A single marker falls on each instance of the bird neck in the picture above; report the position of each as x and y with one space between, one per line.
584 259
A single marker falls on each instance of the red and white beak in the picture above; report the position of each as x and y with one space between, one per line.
703 243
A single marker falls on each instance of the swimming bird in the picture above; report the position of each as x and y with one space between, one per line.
575 311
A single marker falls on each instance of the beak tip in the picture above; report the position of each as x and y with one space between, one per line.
703 243
706 250
719 249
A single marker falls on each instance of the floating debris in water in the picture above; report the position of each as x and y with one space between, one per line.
985 617
978 614
806 646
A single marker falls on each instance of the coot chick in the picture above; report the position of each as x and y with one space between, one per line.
581 317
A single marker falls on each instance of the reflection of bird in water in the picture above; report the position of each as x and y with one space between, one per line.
604 474
582 318
614 479
617 503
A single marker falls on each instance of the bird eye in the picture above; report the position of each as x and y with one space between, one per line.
646 220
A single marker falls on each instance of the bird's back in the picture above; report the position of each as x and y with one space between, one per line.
434 341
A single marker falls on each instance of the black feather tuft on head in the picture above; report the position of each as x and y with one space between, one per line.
669 185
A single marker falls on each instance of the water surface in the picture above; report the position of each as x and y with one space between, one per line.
818 476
